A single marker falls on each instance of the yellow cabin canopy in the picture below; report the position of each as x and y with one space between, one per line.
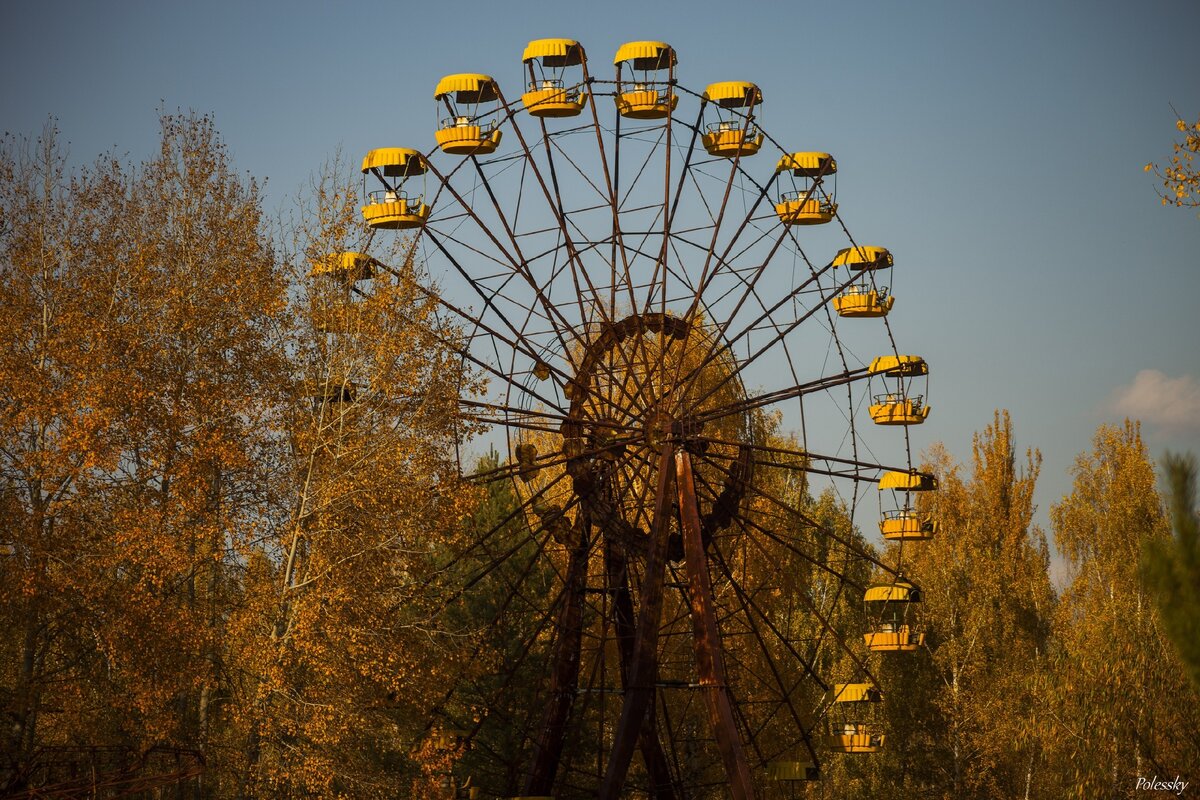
468 87
733 94
807 165
356 265
863 257
899 366
854 693
395 162
898 592
646 55
908 481
554 52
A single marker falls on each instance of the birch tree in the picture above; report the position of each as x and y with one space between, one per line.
1123 708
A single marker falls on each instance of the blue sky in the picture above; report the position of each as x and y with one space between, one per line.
995 148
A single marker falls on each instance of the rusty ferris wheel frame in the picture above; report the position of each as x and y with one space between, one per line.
617 270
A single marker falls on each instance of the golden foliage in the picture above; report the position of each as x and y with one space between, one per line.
232 520
202 555
1181 177
1121 703
965 717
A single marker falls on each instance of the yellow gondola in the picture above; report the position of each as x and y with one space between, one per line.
904 523
332 310
900 406
471 127
548 95
391 207
808 203
641 98
733 134
864 298
849 732
891 632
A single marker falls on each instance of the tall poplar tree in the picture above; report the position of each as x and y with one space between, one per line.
54 413
339 650
137 311
965 710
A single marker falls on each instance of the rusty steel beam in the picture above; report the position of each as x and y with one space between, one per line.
643 668
564 680
710 664
617 571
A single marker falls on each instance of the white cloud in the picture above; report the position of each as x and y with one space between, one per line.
1156 399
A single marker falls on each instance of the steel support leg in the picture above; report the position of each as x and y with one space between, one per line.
710 664
564 680
661 785
643 669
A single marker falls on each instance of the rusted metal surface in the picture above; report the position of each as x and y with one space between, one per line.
662 787
710 664
564 678
643 668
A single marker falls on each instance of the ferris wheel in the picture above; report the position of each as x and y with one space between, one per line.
671 315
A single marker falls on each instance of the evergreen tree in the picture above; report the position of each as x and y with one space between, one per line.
1171 567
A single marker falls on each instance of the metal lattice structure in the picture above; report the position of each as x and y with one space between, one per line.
652 307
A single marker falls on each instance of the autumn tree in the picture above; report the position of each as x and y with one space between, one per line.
965 716
136 308
338 651
824 614
52 428
1122 705
1171 567
200 296
1181 177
